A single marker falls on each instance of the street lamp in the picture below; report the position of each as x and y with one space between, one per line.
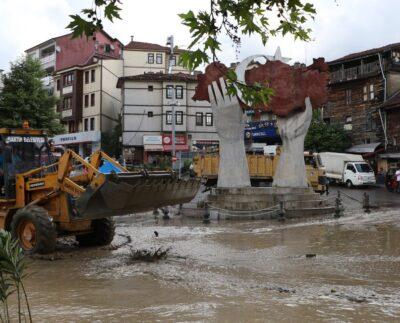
170 43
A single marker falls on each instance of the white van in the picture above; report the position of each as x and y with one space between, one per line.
349 169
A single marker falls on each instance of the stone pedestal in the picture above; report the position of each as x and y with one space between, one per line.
266 203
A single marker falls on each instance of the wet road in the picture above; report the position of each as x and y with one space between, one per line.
229 271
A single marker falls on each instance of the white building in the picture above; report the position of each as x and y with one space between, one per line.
147 115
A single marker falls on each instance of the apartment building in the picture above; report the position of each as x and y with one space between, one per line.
360 84
147 115
83 73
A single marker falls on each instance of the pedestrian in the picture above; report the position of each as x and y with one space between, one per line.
397 174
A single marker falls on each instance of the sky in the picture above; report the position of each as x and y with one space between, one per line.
340 27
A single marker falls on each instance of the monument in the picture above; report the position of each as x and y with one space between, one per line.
296 91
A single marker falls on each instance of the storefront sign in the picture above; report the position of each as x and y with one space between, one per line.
180 142
78 137
152 140
179 139
261 130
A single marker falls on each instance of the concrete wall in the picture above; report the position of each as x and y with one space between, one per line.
136 62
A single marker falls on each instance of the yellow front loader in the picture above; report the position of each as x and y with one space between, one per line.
42 198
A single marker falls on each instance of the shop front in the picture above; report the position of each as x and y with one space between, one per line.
181 143
152 149
83 143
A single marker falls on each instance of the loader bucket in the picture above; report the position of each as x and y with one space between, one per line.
127 193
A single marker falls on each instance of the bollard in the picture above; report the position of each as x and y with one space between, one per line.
366 204
206 217
165 211
338 206
282 213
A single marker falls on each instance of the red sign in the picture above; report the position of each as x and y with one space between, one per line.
179 139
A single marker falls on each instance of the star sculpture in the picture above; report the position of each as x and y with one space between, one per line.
278 56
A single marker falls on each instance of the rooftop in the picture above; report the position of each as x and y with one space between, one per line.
158 77
138 45
365 53
57 37
392 102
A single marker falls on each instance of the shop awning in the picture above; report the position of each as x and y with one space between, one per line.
390 156
177 147
153 147
364 148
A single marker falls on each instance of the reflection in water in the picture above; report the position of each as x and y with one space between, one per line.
229 271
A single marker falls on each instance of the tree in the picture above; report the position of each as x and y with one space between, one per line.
110 142
230 17
24 98
323 137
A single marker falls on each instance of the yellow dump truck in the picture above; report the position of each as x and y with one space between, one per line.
261 169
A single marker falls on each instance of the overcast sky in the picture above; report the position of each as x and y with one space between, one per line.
341 26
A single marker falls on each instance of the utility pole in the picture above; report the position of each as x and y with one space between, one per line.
170 43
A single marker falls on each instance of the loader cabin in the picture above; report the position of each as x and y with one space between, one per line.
20 151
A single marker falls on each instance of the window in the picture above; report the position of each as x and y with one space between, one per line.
107 48
370 123
67 103
86 124
68 79
150 88
348 97
351 168
179 92
150 114
86 100
349 120
371 92
91 124
86 77
93 75
168 119
169 91
365 93
368 92
159 58
178 117
209 119
173 60
327 120
92 98
150 58
58 85
199 118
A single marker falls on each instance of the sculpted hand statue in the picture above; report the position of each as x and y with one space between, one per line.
291 169
230 124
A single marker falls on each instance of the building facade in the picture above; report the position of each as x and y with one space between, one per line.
142 57
147 115
83 73
360 85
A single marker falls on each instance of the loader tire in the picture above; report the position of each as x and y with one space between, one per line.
102 234
34 230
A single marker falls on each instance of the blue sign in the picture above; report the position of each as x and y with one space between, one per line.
261 130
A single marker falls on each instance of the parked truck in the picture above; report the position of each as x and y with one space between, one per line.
261 169
349 169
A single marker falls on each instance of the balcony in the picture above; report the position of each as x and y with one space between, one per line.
356 72
66 113
48 61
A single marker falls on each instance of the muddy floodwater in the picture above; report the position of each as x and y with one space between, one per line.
228 271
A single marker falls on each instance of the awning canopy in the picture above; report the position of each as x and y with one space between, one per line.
390 156
364 148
